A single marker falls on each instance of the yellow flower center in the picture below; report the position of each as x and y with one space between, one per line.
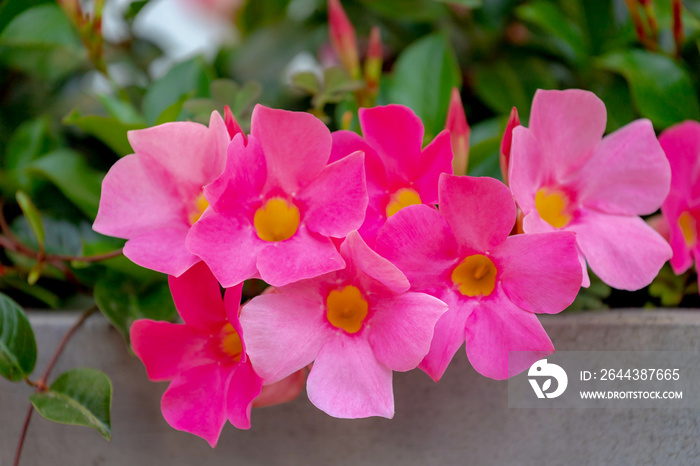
277 220
688 228
346 309
475 276
553 207
404 197
200 205
231 342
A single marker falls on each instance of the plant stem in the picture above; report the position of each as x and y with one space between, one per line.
41 383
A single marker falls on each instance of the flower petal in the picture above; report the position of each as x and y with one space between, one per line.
397 135
498 327
243 387
198 298
138 196
297 145
168 349
162 250
284 332
356 251
228 245
435 160
283 391
624 252
528 170
480 210
540 272
191 153
348 382
337 199
681 143
418 240
242 181
448 335
569 125
627 175
304 255
195 402
402 329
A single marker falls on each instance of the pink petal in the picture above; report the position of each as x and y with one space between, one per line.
628 175
569 125
435 160
284 332
681 143
168 349
498 327
480 211
190 152
356 251
419 241
283 391
304 255
540 272
337 199
682 258
397 135
162 250
239 186
244 386
624 252
528 170
198 298
228 245
195 402
448 335
347 381
402 329
232 305
138 197
297 145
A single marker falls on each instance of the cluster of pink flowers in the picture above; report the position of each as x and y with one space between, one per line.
381 259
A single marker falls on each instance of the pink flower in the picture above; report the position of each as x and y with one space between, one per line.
681 209
153 196
356 325
399 171
493 283
565 177
204 358
278 203
458 127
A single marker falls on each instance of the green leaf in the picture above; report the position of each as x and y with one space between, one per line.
172 112
485 147
32 215
123 299
549 17
465 3
79 397
41 41
17 344
28 142
70 173
661 89
423 78
123 111
182 79
109 130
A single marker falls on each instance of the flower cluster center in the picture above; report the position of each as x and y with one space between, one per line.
553 207
231 342
277 220
689 228
200 204
404 197
346 309
475 276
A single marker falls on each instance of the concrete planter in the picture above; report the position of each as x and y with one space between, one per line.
464 419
